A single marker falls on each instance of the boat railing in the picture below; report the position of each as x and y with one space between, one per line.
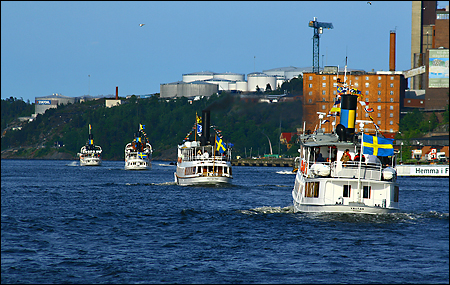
351 169
203 154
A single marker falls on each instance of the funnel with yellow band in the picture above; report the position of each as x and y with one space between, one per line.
348 113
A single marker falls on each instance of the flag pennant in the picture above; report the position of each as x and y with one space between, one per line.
220 147
199 128
377 146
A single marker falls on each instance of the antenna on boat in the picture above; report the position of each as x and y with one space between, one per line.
320 119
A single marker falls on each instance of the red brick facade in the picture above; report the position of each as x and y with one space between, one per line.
384 93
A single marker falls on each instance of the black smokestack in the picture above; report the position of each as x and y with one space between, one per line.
205 140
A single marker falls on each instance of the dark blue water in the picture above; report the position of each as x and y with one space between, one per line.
62 223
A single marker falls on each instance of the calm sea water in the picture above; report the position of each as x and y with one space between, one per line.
62 223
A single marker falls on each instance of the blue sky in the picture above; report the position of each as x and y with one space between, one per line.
53 47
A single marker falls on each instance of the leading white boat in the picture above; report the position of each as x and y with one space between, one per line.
138 153
204 161
90 154
324 183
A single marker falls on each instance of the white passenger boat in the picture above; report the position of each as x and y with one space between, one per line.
90 154
204 161
138 153
330 185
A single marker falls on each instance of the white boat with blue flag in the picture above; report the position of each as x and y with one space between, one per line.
206 159
90 154
330 179
138 153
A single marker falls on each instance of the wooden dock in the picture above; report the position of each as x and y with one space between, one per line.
271 162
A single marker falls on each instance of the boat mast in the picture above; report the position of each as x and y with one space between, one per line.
361 126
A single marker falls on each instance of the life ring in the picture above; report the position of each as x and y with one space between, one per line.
303 166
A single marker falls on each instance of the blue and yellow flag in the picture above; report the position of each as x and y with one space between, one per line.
142 155
141 127
91 141
220 147
199 128
378 146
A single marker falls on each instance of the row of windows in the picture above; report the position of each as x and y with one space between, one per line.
324 85
324 92
356 77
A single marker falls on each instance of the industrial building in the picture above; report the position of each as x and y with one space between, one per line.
44 103
430 53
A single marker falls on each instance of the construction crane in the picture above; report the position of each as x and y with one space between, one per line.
318 29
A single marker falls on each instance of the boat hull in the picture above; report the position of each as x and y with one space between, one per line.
91 161
202 180
137 164
357 209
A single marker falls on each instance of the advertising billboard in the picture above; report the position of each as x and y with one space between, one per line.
438 68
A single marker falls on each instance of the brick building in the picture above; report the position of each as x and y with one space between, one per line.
383 91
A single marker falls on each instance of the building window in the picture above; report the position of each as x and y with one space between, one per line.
392 92
391 99
391 131
367 77
392 77
310 100
310 93
367 84
324 84
334 92
367 115
356 84
379 77
356 115
366 192
392 84
421 102
379 100
379 107
334 78
310 85
391 107
379 84
367 92
367 100
391 115
391 122
379 92
347 191
409 101
310 77
324 92
324 78
323 107
379 115
334 84
323 99
356 77
379 122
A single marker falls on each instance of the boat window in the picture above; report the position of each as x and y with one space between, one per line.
347 191
366 191
312 189
395 193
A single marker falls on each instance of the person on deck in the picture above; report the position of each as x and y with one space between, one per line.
357 157
346 156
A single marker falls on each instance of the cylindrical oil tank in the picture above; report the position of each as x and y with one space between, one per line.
232 86
261 80
230 76
196 76
242 86
223 83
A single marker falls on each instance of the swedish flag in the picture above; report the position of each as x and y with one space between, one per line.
141 127
220 147
142 155
378 146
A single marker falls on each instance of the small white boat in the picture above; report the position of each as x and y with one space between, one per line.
324 183
138 153
204 161
90 154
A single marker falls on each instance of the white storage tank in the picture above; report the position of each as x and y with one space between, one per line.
242 86
223 83
191 89
232 86
197 76
230 76
261 80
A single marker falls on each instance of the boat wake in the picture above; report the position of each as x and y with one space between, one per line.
268 210
73 163
285 172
